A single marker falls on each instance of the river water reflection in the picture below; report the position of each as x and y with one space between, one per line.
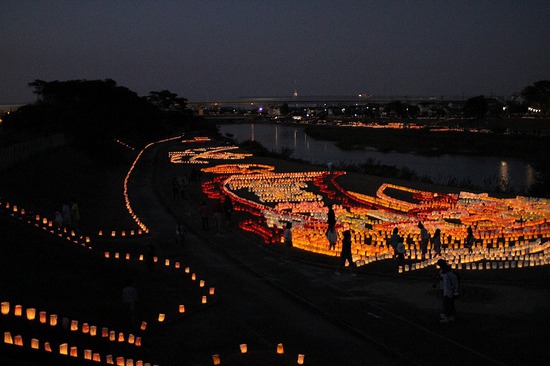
484 172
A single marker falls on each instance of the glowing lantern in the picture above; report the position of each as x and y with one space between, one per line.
212 290
63 349
182 308
93 330
280 349
85 328
201 283
141 257
177 265
204 299
161 317
96 357
120 361
35 344
18 341
216 359
87 354
300 359
109 359
121 337
155 259
74 325
117 255
18 310
143 325
187 269
104 332
131 339
112 335
107 254
100 233
193 276
53 320
7 338
43 317
138 341
31 313
5 307
167 262
127 256
129 362
243 348
113 233
47 347
74 351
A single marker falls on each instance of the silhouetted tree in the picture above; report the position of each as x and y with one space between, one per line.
166 100
538 96
476 107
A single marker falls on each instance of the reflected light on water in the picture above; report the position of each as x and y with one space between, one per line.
504 177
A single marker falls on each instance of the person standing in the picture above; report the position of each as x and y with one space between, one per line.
424 239
470 239
394 240
287 238
66 215
345 254
75 215
130 297
450 286
436 242
204 212
180 234
331 217
332 237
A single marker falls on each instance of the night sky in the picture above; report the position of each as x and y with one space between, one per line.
222 50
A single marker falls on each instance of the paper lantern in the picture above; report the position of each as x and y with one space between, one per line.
53 320
177 265
7 338
129 362
193 276
104 332
138 342
212 290
85 328
42 317
87 354
121 337
18 341
18 310
96 357
74 351
64 349
131 339
243 347
167 262
109 359
280 349
300 359
120 361
141 257
5 307
204 299
143 325
35 344
216 359
201 283
74 325
112 336
47 347
161 317
93 330
117 255
127 256
182 308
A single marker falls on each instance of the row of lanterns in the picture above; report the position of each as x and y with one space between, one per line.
243 348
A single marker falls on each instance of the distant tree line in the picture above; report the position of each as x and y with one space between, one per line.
97 111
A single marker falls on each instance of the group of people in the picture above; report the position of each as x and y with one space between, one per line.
221 210
69 216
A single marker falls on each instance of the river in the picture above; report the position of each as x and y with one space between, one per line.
484 172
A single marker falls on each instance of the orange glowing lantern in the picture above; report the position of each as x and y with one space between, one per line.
212 290
193 276
18 310
74 351
121 337
35 344
109 359
96 357
42 317
104 332
143 325
167 262
74 325
112 336
120 361
127 256
7 338
107 255
64 349
204 300
129 362
31 313
18 341
131 339
47 347
280 349
182 308
85 328
216 359
244 348
161 317
138 341
117 255
53 320
201 283
5 307
177 265
87 354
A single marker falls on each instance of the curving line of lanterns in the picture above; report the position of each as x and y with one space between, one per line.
243 349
